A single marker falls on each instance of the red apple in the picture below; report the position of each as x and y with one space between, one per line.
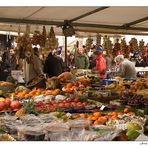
7 103
2 105
15 105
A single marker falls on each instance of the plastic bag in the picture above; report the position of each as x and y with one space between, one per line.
78 123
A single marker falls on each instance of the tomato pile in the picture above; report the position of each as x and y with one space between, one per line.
52 105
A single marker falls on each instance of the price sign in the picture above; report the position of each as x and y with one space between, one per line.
102 107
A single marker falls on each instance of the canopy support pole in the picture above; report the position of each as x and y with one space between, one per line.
66 63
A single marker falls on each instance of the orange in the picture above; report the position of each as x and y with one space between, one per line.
96 122
97 114
114 114
82 115
75 116
126 110
89 118
99 121
104 119
73 87
69 85
94 118
114 117
109 114
130 113
56 92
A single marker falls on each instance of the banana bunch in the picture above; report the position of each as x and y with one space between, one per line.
111 86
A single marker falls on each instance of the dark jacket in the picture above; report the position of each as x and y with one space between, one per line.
13 62
140 63
53 66
5 70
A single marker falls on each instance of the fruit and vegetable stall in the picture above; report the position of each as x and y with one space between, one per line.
74 108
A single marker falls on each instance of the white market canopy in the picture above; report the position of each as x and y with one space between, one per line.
85 20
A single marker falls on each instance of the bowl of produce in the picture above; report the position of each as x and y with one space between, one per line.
37 82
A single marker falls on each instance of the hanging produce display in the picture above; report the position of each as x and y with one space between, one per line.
98 40
133 43
141 45
23 44
107 44
52 41
123 45
38 38
89 42
116 46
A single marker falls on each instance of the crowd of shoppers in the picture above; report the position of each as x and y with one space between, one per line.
96 59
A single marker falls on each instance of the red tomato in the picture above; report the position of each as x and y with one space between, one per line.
84 103
73 104
79 103
55 106
60 105
64 101
76 100
60 101
52 102
66 105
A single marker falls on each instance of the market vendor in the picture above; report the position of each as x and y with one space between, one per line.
100 62
126 68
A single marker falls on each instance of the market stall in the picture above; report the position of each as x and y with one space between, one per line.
76 105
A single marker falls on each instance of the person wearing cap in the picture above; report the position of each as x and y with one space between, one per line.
81 60
126 68
100 62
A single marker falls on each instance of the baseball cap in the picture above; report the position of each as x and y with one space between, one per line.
99 49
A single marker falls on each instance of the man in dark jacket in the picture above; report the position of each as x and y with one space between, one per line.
53 65
140 62
13 59
5 68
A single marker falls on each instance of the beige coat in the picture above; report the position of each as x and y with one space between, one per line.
33 69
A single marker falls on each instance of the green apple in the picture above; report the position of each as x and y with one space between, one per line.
132 134
1 92
133 126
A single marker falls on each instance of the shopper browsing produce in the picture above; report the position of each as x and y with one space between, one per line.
13 59
53 65
126 68
34 66
100 62
81 60
5 68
